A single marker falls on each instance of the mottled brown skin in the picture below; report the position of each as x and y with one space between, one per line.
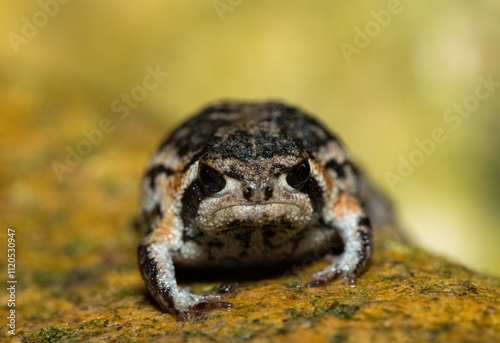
248 184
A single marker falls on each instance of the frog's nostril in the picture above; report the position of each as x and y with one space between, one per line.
247 193
268 192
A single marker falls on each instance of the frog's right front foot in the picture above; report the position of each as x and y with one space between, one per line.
184 305
157 271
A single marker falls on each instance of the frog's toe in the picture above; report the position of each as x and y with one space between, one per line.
211 305
202 306
327 275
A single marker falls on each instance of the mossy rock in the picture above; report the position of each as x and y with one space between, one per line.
406 295
78 278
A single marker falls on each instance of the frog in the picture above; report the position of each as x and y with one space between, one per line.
249 184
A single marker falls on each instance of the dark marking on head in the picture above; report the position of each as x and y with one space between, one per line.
193 196
338 168
235 174
312 188
193 159
248 193
277 168
201 134
308 130
246 147
153 172
250 131
268 193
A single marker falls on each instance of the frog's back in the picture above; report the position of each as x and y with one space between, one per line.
246 131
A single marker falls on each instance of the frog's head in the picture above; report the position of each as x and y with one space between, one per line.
273 189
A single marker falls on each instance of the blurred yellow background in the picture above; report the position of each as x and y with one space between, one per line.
410 86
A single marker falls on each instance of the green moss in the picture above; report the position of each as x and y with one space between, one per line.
315 300
469 287
75 246
260 304
294 314
122 293
431 288
446 273
320 310
202 318
95 323
458 288
75 277
195 333
96 333
348 293
49 334
71 296
44 279
441 328
244 333
342 311
339 337
123 338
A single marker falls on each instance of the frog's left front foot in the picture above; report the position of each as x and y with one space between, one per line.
327 275
202 304
157 271
355 230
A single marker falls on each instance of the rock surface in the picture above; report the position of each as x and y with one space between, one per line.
406 295
78 279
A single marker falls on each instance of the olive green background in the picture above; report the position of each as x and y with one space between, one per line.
63 80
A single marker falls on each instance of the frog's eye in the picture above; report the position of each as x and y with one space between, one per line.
211 179
298 176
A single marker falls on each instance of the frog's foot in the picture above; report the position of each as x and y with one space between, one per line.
185 305
331 273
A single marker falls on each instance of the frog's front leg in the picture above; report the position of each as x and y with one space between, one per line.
157 269
349 217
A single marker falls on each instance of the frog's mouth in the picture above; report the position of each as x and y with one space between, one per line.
256 209
243 216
